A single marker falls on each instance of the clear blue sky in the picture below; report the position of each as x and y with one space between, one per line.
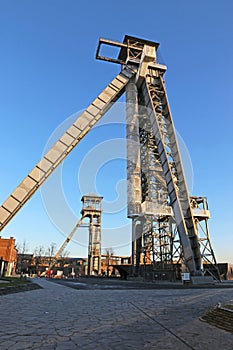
48 72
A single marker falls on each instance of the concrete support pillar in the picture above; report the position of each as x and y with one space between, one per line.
133 151
134 192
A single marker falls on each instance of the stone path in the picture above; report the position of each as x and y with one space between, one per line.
62 318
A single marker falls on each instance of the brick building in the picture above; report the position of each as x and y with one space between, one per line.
36 265
8 256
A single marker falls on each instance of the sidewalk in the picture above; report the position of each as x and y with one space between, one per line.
62 318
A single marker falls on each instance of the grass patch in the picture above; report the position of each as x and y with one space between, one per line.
12 281
228 306
16 285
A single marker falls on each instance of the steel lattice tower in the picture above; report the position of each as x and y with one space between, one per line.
168 226
91 209
158 198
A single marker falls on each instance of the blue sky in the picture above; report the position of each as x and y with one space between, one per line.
48 72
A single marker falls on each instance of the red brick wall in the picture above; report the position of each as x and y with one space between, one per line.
7 249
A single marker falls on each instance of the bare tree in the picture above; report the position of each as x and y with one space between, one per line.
38 253
22 248
109 252
51 251
65 254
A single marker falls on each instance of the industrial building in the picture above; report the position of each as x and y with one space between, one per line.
8 256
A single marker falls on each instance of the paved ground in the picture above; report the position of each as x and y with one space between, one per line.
58 317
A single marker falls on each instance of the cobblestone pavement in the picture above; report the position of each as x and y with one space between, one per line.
58 317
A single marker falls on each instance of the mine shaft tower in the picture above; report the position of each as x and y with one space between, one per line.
168 226
91 208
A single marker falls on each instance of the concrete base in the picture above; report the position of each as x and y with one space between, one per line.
202 280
